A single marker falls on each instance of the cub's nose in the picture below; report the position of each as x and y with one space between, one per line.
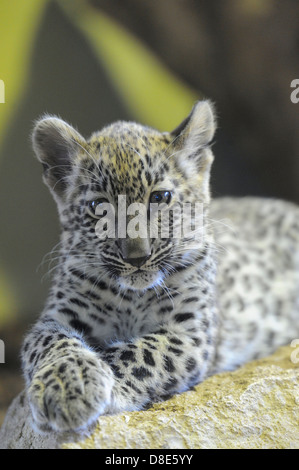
137 262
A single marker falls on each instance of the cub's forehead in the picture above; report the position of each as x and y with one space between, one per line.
130 130
130 142
126 158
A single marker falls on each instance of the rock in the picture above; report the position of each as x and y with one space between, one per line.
255 406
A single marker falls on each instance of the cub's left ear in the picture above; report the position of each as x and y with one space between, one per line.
191 141
199 127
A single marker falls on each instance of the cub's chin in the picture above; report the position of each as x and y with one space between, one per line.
140 280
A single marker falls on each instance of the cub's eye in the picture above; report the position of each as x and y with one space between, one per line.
160 197
96 204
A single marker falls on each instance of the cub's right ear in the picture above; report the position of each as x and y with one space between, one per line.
55 144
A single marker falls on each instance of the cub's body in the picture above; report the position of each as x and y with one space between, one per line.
132 320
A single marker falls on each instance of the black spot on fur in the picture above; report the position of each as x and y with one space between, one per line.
47 340
141 373
181 317
80 326
128 356
80 303
190 299
168 364
68 311
148 357
177 352
32 356
175 341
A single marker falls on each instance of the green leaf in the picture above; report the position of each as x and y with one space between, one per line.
152 93
19 21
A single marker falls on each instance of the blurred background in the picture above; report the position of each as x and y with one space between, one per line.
95 61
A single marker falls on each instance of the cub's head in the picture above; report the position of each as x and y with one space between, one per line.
127 195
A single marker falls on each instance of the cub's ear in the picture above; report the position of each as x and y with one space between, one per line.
191 141
55 144
198 128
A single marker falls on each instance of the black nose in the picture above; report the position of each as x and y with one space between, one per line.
138 262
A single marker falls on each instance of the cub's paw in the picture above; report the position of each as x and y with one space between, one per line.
70 393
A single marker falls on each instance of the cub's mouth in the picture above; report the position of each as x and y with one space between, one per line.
141 280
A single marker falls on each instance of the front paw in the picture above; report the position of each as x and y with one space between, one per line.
71 393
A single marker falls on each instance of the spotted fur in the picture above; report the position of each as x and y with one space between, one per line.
116 335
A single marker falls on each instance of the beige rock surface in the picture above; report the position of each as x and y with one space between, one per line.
256 406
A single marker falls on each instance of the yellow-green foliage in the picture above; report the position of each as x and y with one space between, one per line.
19 21
18 25
153 94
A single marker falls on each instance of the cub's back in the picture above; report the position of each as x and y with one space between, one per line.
258 276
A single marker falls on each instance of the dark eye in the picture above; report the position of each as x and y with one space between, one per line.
96 203
160 196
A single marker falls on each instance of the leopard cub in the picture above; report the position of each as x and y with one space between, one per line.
133 319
